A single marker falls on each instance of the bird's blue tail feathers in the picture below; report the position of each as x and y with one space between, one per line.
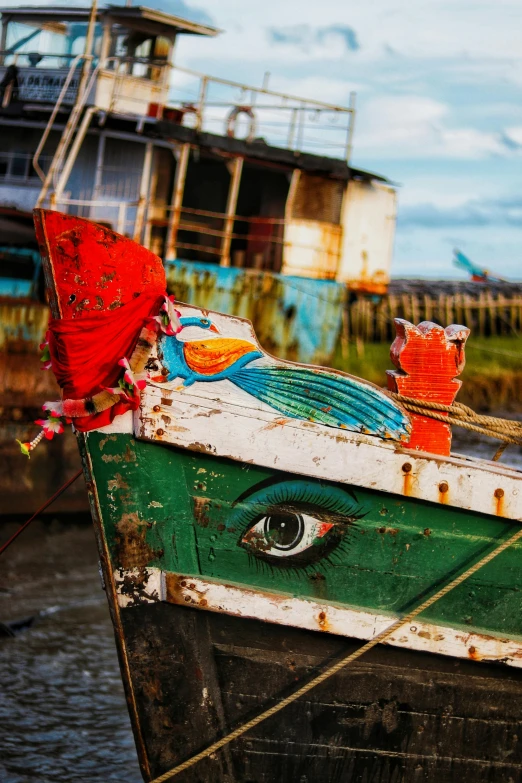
326 398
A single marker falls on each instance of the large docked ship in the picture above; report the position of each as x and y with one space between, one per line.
253 187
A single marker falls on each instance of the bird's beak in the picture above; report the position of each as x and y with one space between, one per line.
214 329
158 378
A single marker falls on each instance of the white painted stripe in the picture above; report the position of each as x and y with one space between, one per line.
219 422
312 615
139 586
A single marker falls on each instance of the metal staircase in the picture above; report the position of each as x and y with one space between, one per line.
72 136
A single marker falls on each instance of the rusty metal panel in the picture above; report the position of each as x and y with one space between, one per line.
313 231
22 326
369 213
294 318
312 249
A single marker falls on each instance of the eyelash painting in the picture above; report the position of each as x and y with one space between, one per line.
293 525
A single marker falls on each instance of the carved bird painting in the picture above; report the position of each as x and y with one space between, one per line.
295 391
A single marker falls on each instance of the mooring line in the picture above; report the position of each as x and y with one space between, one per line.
379 639
39 511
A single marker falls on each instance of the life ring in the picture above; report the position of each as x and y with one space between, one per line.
231 122
188 109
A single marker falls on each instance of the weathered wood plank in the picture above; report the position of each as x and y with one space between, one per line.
215 596
393 716
247 431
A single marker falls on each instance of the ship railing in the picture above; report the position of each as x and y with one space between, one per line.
208 103
232 108
16 167
86 98
205 235
249 241
40 60
41 76
118 215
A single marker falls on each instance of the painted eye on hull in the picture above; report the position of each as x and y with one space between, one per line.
282 533
292 524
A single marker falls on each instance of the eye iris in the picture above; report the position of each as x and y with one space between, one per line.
284 530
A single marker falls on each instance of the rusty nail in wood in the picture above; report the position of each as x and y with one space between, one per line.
183 583
406 467
499 493
443 486
160 432
164 371
156 408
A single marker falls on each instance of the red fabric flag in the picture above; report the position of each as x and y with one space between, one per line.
85 352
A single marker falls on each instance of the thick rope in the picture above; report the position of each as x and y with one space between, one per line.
462 416
332 670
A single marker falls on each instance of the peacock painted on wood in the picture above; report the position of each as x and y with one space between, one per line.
295 391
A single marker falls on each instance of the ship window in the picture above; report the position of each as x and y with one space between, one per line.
19 166
140 54
46 44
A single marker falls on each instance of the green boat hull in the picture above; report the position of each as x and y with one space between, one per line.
187 513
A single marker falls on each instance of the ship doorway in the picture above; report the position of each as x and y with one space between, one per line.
201 227
257 241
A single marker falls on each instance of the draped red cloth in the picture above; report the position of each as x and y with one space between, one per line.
85 352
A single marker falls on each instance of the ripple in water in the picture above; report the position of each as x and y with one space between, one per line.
62 709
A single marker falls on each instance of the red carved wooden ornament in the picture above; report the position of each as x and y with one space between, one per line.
428 358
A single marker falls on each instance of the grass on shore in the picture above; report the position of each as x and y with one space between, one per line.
492 376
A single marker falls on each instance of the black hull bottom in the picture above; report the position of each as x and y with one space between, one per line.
394 716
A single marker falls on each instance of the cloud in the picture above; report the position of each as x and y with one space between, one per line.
475 213
513 137
305 37
421 127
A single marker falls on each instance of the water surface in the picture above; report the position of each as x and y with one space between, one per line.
63 715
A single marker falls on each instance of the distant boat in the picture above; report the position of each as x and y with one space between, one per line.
478 275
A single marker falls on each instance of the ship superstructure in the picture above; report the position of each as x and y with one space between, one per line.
97 120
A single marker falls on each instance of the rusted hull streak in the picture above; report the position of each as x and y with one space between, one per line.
294 318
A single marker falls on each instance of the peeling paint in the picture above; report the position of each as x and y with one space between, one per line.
282 609
132 547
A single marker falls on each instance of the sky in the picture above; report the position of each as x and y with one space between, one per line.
439 105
